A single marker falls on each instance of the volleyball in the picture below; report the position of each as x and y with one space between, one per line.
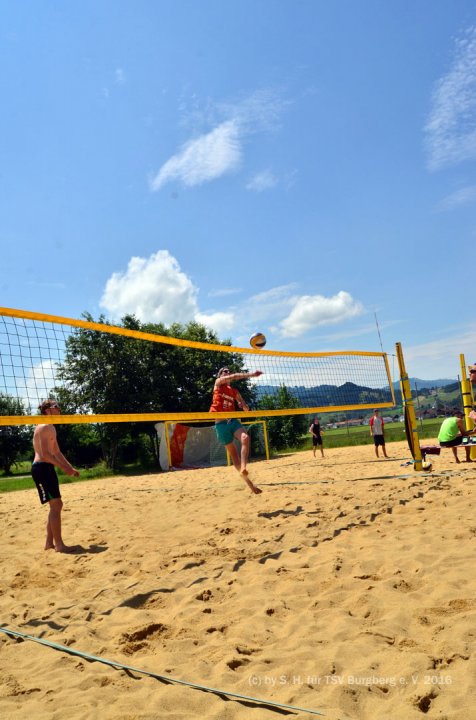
426 465
257 341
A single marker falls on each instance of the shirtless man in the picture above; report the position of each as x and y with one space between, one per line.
47 455
224 398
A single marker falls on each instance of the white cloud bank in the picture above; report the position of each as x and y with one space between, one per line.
451 128
220 150
203 159
155 289
310 311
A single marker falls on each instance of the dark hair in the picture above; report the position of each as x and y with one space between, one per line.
45 405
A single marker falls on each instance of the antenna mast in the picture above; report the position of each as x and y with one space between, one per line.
378 330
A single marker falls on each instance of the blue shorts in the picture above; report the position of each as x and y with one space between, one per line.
46 481
226 429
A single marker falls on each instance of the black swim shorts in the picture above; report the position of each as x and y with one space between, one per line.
46 481
452 443
379 440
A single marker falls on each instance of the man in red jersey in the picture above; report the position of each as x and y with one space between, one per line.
225 398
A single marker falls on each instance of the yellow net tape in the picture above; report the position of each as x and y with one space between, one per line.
166 378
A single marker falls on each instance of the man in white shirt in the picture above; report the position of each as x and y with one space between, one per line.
378 433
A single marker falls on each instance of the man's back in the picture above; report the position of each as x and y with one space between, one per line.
448 430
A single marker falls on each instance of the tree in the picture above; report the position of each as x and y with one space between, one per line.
15 440
114 374
284 430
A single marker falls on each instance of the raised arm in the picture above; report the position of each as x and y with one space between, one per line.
227 379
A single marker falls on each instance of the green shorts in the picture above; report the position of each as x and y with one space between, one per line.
226 429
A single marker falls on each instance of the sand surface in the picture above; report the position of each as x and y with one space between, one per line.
347 588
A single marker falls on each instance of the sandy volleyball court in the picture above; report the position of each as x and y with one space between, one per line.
346 588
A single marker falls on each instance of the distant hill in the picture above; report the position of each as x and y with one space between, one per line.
322 395
352 394
426 384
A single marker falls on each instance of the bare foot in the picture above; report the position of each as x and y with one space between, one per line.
458 461
49 546
254 489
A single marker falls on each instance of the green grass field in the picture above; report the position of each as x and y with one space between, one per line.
360 435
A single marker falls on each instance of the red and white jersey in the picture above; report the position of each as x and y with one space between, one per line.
377 423
224 399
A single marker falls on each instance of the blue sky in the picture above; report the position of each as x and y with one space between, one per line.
296 167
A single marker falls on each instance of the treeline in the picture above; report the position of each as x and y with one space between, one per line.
104 373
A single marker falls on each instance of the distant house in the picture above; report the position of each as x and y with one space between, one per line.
355 422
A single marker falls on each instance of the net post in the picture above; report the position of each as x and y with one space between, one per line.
167 441
266 443
409 410
467 400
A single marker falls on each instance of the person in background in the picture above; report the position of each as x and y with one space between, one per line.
378 433
452 432
47 455
315 431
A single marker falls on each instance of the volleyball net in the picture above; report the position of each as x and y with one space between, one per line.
107 373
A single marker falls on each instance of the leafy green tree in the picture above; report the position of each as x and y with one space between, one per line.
284 430
108 373
15 440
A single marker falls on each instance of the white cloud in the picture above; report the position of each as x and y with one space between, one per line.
267 306
274 295
203 159
154 289
218 151
262 181
39 382
451 128
221 322
310 311
259 112
464 196
222 292
440 358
